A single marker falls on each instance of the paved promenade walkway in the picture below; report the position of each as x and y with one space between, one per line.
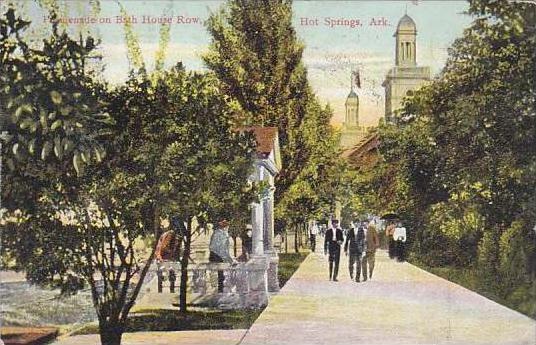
214 337
402 304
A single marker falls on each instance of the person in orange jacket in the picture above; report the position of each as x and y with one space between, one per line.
167 247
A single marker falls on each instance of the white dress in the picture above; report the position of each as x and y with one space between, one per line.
400 233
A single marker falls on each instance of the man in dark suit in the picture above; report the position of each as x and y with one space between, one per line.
354 247
332 244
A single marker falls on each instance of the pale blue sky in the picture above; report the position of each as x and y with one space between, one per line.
330 51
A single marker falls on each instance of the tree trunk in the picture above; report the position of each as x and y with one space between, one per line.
184 267
234 246
300 233
306 236
296 246
286 241
110 333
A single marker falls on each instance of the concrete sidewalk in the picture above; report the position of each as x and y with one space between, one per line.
214 337
402 304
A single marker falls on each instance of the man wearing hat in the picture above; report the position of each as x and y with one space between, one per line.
355 247
312 234
332 243
219 249
247 244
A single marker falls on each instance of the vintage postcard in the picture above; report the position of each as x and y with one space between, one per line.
255 172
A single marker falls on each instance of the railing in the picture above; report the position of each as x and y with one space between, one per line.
203 277
245 284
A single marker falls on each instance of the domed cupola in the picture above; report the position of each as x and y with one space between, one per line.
406 37
406 24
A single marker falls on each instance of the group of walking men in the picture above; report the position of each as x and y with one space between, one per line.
360 247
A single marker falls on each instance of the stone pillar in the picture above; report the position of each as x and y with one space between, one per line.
257 296
268 220
272 256
257 232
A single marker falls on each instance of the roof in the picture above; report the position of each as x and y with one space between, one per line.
368 143
352 94
265 137
406 23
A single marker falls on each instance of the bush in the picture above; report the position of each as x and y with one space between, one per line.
452 235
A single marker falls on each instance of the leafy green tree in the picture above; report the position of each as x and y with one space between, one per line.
50 107
256 56
53 116
204 150
171 150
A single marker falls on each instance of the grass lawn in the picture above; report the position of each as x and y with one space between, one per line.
147 320
288 264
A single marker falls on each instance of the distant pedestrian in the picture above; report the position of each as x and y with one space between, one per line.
312 234
354 248
219 249
389 232
373 242
399 236
332 245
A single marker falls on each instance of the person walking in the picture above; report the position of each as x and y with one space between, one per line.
373 242
332 244
219 249
389 232
361 263
399 235
354 248
313 233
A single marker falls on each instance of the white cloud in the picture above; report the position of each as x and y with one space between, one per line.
116 61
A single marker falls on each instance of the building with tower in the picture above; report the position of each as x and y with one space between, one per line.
351 132
352 109
405 76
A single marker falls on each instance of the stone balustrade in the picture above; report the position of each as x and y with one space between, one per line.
247 281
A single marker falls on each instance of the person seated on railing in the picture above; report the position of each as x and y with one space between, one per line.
219 249
167 247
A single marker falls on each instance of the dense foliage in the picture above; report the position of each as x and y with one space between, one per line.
74 217
460 164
